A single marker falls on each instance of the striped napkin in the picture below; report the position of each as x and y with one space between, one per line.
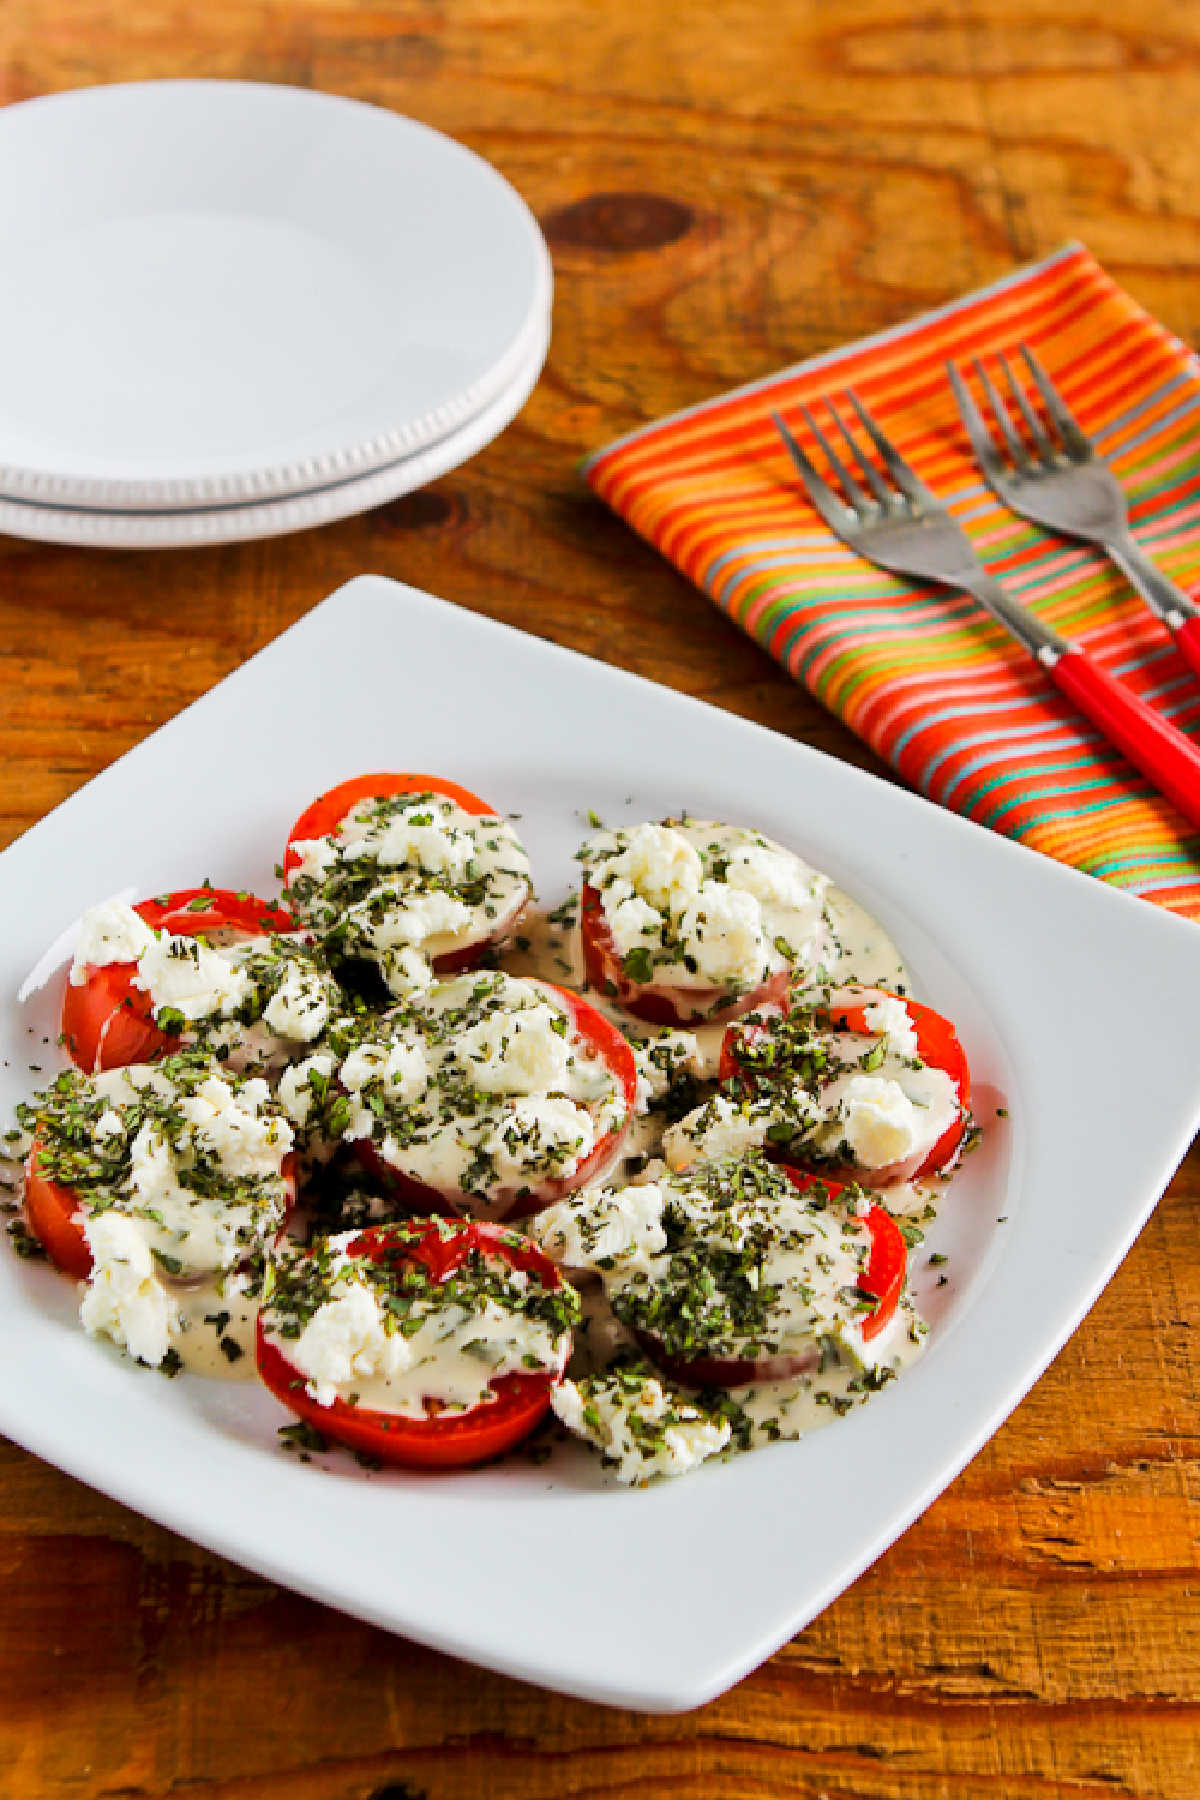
932 684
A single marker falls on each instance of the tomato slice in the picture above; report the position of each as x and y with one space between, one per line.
107 1022
658 1001
56 1214
597 1035
883 1278
441 1440
937 1046
325 813
55 1218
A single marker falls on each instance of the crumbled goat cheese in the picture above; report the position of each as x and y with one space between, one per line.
878 1120
609 1228
526 1052
537 1130
190 977
659 863
722 929
295 1087
110 933
889 1018
721 1127
124 1300
644 1434
300 1006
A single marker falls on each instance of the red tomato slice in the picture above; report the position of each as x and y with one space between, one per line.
107 1022
441 1440
320 818
883 1278
598 1035
937 1046
658 1001
55 1214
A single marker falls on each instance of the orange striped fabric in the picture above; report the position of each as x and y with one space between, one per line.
931 683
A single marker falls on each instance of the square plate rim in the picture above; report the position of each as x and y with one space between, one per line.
706 1675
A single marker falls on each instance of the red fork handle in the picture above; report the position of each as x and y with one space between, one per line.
1187 642
1151 743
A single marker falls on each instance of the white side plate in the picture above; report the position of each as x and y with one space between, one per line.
216 292
1067 996
299 512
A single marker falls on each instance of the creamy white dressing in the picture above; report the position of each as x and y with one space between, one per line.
778 1410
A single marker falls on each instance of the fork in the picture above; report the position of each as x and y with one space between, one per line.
1057 480
900 525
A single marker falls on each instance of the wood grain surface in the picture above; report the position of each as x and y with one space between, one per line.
725 188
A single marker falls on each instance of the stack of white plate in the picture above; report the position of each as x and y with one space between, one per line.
229 311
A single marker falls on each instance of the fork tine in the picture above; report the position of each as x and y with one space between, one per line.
905 478
871 475
1016 448
1037 431
988 457
985 449
1073 439
835 514
850 487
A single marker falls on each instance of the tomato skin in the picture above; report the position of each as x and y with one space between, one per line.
327 811
598 1035
53 1215
659 1004
883 1278
937 1045
107 1022
440 1440
56 1214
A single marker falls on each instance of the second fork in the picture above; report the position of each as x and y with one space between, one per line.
899 524
1052 474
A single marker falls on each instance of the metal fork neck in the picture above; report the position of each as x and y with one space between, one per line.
1040 639
1160 593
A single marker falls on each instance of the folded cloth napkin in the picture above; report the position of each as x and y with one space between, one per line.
960 711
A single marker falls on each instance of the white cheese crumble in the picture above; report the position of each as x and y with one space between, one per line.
661 1061
234 1132
110 933
700 905
888 1017
878 1120
643 1433
300 1006
528 1052
124 1300
536 1131
721 1127
604 1228
295 1091
190 977
723 929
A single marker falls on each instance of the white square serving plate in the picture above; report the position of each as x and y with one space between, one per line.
1067 998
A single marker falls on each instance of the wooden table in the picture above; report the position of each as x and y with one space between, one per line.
724 192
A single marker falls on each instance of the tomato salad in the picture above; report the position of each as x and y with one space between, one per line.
430 1199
